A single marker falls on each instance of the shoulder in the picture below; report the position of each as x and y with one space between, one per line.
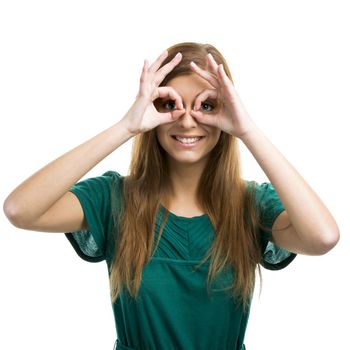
112 178
261 190
112 175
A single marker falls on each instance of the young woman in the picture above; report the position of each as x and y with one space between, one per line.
183 234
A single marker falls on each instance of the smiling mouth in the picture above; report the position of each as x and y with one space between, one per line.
181 141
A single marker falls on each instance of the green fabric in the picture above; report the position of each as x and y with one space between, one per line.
173 309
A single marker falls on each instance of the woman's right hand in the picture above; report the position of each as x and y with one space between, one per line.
143 115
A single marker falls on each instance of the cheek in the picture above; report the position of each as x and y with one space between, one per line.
162 134
216 138
216 133
159 131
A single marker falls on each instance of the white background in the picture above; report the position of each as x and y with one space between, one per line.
70 69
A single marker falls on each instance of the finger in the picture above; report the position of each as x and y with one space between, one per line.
177 113
212 66
212 62
203 118
144 70
204 74
223 76
167 91
212 93
167 68
170 117
155 66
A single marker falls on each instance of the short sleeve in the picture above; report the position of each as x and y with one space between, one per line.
94 194
270 206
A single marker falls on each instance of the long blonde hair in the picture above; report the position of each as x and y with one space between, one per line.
222 193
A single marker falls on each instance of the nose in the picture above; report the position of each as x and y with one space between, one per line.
187 120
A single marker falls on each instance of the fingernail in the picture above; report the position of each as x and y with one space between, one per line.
178 55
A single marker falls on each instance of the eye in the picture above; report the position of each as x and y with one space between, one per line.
169 102
208 107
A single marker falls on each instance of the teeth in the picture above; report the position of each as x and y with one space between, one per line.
187 139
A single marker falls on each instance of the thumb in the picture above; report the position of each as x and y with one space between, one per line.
171 116
203 118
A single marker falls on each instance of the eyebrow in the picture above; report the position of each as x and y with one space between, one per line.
166 98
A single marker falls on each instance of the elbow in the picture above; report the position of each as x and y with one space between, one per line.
328 241
8 210
11 214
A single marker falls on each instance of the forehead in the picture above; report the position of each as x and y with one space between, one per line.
189 85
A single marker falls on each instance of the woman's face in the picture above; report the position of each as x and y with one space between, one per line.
188 87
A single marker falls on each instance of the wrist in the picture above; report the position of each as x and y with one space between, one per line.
127 130
248 133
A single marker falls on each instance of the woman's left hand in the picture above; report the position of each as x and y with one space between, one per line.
229 114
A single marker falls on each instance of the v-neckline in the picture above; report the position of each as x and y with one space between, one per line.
183 218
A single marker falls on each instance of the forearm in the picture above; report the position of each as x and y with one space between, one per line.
307 213
40 191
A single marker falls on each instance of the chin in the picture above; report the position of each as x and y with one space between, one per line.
187 158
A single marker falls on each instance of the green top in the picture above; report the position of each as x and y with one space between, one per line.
173 309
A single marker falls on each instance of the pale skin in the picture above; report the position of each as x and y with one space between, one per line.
312 229
186 165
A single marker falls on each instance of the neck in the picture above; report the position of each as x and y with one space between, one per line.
184 179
